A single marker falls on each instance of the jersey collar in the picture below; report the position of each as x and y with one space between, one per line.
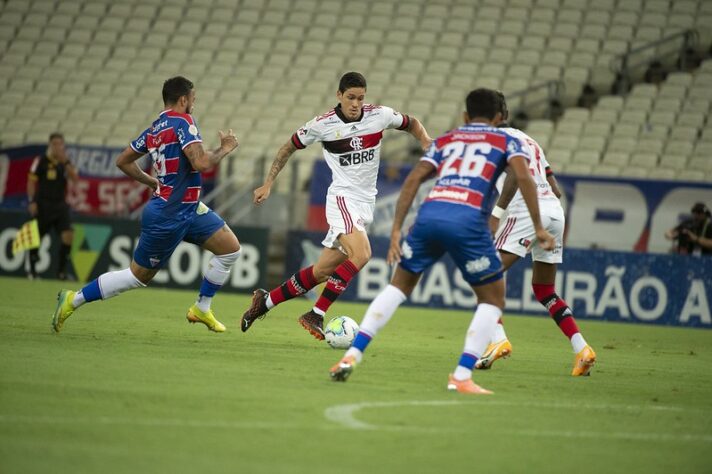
343 118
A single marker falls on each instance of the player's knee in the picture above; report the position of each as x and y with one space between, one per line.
360 257
227 260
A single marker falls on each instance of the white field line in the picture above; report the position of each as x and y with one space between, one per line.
344 416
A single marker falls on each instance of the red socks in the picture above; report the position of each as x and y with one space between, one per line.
335 285
558 309
298 284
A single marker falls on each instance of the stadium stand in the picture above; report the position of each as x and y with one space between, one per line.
94 68
657 132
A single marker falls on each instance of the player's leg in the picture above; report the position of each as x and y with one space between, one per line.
474 253
512 240
358 253
490 303
296 285
34 254
104 287
66 234
420 251
378 314
543 279
157 242
348 220
211 233
306 278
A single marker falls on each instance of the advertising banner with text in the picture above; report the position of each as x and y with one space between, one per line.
607 213
102 245
673 290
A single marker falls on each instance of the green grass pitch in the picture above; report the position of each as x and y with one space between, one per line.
130 386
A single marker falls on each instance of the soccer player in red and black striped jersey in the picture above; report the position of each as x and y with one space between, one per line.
174 213
351 135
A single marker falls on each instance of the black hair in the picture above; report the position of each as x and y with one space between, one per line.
54 135
175 88
351 79
503 105
483 103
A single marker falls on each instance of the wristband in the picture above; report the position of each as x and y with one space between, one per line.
498 212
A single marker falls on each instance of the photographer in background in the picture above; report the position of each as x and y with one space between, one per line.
46 191
693 236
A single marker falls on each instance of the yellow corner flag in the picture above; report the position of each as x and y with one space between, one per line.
28 237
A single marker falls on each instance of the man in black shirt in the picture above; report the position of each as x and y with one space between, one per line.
694 236
46 190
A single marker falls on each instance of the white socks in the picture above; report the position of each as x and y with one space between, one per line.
479 335
215 276
499 334
111 284
378 314
381 310
578 342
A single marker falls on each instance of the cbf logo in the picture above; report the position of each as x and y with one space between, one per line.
356 143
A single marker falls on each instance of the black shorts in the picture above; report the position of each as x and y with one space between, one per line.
53 216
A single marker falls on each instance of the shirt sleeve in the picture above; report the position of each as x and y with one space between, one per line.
545 163
139 145
515 148
306 135
187 132
433 155
394 119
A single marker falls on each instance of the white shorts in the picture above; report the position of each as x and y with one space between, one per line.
516 235
345 215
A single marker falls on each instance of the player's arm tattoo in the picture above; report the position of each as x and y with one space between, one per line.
509 189
280 160
202 160
421 173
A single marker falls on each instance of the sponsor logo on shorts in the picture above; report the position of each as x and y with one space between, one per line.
407 251
479 265
525 243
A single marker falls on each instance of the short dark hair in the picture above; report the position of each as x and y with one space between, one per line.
482 103
54 135
175 88
503 105
351 79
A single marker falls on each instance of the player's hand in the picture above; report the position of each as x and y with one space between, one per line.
425 144
394 249
493 224
545 239
32 209
228 141
261 194
155 185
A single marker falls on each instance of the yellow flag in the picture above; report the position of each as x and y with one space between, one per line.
28 237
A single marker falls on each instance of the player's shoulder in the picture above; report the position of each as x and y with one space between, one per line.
326 117
179 117
519 134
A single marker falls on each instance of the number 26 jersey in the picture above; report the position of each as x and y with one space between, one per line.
468 161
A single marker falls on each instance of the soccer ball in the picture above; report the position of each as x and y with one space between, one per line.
340 332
